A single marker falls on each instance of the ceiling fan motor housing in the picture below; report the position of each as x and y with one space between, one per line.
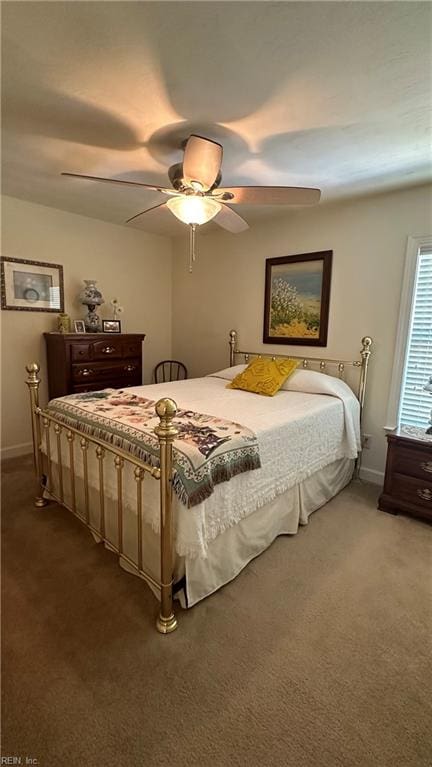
176 176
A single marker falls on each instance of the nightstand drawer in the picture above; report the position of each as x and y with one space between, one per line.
413 462
413 490
109 349
408 475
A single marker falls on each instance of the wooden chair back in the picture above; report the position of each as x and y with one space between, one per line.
169 370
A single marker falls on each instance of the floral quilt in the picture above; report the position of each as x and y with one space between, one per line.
207 451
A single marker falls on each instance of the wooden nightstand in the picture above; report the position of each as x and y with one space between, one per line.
408 476
79 362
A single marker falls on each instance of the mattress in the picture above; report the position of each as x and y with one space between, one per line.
298 434
301 435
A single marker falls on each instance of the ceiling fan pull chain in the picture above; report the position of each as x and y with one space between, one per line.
193 241
192 254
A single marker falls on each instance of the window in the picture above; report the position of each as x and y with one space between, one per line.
416 404
408 402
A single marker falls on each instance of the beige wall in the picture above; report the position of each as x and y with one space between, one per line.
226 289
129 264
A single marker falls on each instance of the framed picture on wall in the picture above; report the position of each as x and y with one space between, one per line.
33 286
297 299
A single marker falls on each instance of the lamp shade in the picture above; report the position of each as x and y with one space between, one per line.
90 294
193 209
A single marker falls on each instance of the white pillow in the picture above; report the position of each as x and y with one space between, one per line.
228 373
309 381
313 382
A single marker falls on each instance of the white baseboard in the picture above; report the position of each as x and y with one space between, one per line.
16 450
372 475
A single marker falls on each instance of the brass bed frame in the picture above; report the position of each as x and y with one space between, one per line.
43 423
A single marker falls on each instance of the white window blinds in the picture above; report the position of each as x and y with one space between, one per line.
415 403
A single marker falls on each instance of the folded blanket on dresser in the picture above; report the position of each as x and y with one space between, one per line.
208 450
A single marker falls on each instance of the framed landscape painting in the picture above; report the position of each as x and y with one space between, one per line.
297 298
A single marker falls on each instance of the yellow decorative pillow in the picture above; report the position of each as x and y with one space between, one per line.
264 375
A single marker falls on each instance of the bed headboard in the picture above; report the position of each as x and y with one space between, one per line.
339 368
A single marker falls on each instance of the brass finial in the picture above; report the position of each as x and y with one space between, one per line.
366 341
166 408
33 367
33 371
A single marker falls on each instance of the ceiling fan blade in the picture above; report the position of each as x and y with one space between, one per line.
202 161
147 210
230 220
268 195
118 181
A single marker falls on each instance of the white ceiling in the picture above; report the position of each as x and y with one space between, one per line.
328 94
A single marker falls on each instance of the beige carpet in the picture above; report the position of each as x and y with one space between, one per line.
317 655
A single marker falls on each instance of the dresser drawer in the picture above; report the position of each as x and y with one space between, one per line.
114 384
415 491
81 352
132 348
111 348
412 461
82 388
98 371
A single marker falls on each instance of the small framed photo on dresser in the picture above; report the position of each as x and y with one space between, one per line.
111 326
79 326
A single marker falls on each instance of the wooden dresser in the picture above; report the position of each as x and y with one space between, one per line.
408 476
79 362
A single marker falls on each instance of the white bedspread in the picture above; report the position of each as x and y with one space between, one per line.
298 434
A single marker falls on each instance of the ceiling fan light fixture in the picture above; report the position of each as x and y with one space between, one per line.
194 209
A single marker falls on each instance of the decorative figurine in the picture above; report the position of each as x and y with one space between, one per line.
91 297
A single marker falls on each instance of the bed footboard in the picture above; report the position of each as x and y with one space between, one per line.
47 434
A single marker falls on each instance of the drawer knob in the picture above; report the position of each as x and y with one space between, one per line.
108 349
426 466
425 494
85 372
130 368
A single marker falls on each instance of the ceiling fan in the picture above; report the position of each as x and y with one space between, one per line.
196 197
